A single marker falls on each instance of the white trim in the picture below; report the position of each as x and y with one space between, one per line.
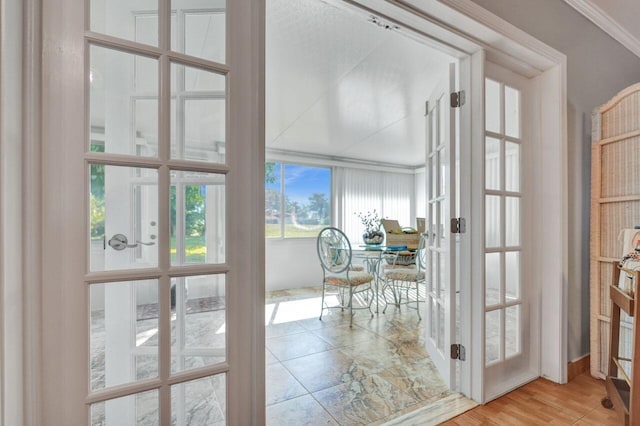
476 352
283 156
11 289
607 24
31 211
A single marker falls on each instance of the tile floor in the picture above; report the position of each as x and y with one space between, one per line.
324 372
317 372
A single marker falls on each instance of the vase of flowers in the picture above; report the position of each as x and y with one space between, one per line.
372 234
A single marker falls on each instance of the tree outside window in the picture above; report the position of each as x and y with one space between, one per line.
297 200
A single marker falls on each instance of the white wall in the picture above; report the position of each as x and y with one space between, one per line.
597 68
291 263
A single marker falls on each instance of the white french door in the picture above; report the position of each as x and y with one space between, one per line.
152 315
511 327
440 256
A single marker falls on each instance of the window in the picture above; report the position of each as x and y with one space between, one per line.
297 200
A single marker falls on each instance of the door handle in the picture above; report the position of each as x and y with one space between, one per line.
120 242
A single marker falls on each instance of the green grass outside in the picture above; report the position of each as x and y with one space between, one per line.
291 231
195 249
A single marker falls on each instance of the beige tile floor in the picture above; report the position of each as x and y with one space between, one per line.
325 372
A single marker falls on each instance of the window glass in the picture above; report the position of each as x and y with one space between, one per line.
272 199
297 200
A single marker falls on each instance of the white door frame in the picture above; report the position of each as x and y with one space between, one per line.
503 44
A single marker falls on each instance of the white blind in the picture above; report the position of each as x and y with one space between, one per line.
362 191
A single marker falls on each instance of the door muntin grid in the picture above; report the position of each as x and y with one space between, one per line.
503 222
130 126
438 214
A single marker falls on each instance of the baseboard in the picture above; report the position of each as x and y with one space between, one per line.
577 367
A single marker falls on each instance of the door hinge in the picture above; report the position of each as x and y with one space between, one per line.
458 352
426 108
458 99
458 225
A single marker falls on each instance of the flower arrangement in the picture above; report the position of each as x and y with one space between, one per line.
372 224
370 220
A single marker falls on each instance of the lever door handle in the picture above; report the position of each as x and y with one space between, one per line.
120 242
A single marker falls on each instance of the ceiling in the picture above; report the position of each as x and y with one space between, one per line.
338 85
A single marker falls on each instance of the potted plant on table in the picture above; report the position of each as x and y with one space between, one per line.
371 221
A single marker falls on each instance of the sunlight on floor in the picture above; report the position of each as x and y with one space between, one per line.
296 310
141 338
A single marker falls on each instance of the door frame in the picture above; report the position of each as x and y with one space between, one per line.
500 41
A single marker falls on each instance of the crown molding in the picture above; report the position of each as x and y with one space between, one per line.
606 23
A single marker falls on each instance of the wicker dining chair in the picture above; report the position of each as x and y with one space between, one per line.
334 252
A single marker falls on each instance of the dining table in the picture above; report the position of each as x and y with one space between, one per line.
372 257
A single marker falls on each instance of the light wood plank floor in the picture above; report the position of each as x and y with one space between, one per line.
545 402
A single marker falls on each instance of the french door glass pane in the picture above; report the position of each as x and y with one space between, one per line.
511 112
433 170
146 28
204 133
434 318
434 272
433 123
492 106
146 113
512 221
432 220
492 163
123 216
199 114
202 32
198 321
124 327
492 274
199 402
512 166
119 18
443 273
442 108
136 409
493 337
441 323
442 170
512 275
197 218
117 124
492 220
512 331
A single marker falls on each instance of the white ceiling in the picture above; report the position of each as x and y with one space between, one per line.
341 86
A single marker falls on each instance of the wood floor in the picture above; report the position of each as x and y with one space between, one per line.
545 402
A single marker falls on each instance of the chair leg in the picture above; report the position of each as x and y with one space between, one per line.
386 305
322 305
350 306
418 301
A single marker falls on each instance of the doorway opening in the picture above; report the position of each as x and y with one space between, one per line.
353 135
